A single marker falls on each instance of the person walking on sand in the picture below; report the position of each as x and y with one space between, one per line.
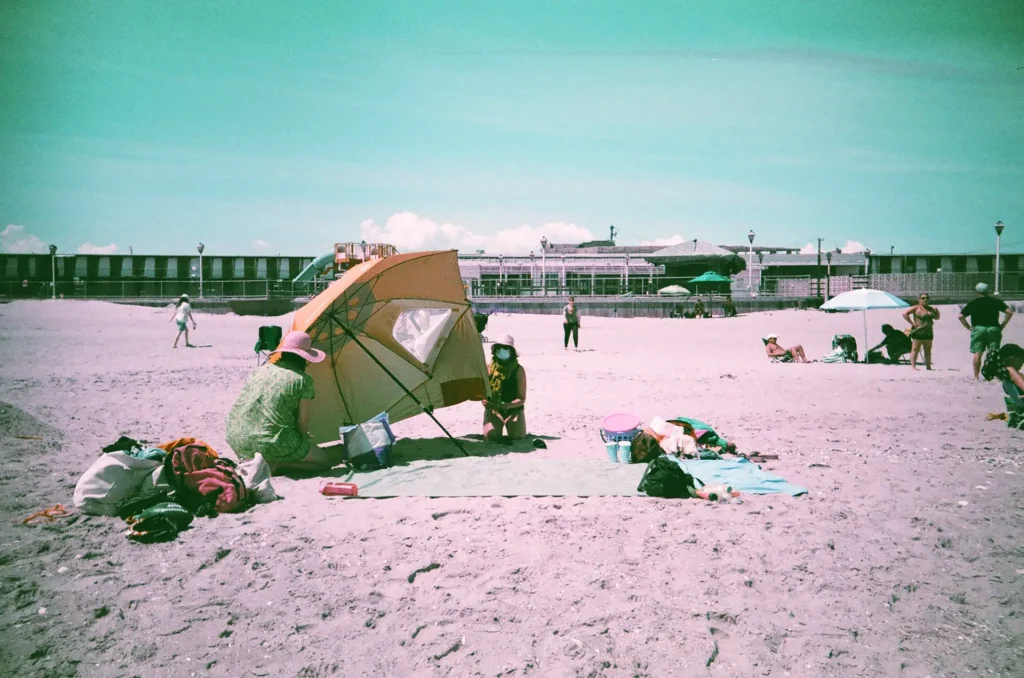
921 317
571 324
986 330
182 316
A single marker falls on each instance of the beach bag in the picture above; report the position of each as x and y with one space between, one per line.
368 445
113 478
203 482
666 478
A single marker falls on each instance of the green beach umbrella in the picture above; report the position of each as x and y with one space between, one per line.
711 277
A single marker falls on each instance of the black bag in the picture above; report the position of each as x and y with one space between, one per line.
666 478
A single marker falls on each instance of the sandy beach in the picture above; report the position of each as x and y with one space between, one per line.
905 559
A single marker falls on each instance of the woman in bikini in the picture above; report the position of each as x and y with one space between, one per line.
921 318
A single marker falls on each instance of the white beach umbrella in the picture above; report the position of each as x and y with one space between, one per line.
863 300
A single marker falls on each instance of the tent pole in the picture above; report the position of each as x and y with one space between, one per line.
428 411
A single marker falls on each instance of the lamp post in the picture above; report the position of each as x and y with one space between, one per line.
828 276
543 265
53 270
867 261
200 247
627 272
999 233
750 260
501 274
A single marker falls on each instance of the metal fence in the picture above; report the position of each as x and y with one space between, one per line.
163 289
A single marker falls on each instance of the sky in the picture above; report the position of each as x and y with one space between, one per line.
281 128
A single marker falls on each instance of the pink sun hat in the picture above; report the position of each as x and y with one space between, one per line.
301 345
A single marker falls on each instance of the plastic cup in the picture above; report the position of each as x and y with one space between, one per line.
612 448
625 452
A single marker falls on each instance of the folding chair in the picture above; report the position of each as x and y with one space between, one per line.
269 339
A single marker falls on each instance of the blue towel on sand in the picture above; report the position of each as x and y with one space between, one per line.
741 474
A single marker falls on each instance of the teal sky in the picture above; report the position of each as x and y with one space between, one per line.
158 124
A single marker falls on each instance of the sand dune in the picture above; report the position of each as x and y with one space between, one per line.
904 560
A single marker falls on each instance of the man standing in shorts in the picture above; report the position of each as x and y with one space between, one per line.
986 330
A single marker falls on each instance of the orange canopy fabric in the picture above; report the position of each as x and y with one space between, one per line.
410 313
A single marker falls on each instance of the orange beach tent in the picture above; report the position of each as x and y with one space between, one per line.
400 338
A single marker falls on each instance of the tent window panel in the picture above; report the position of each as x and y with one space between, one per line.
418 330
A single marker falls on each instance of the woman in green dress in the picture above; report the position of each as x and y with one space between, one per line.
271 415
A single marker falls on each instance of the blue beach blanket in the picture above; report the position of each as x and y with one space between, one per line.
525 476
741 474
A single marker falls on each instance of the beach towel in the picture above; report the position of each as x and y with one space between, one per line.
509 476
201 480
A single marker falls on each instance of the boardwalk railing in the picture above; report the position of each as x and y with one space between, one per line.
163 289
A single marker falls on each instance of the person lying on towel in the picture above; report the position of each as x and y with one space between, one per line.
271 415
504 410
896 345
785 355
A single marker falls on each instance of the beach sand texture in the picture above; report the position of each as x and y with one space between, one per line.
906 559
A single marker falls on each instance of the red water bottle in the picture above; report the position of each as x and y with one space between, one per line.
335 489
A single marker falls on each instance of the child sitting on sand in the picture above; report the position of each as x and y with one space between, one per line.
504 410
786 355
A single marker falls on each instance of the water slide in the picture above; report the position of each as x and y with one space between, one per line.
318 265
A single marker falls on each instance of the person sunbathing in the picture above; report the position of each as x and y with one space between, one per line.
793 354
504 410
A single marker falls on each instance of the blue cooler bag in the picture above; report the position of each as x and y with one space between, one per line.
368 445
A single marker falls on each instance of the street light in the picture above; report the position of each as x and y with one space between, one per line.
53 270
867 261
828 276
999 232
200 247
750 259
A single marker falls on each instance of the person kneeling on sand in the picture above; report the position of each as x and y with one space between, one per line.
786 355
271 415
896 344
504 410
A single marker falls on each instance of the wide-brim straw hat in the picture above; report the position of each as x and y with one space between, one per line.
301 345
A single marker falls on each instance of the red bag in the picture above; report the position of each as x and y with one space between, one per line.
204 479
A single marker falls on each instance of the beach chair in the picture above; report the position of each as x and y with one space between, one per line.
269 339
1014 404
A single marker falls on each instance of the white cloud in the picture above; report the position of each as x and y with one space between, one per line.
14 240
412 233
665 242
260 244
851 247
89 248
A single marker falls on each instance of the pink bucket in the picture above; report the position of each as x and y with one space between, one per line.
620 426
